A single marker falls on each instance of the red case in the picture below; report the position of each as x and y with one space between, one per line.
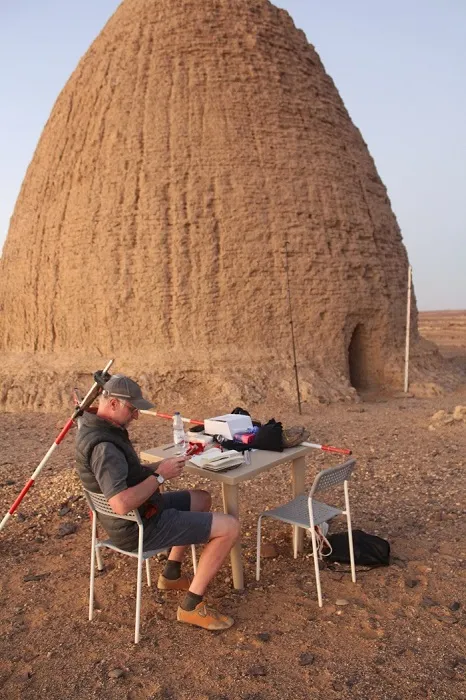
245 438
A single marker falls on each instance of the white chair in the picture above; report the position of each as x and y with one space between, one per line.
304 511
99 504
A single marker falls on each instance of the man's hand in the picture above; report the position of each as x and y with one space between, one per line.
135 496
172 467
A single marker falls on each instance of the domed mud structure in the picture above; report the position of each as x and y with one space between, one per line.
194 140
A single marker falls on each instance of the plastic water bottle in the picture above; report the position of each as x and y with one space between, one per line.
179 437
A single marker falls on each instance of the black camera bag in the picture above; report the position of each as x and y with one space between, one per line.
369 550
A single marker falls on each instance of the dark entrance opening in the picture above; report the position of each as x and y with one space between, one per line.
359 369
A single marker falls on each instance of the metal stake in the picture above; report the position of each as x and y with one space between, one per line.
292 328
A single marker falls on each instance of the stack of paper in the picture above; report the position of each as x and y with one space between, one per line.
215 460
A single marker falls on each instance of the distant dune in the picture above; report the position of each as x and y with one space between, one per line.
447 329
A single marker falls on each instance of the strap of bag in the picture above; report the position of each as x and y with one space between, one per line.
322 543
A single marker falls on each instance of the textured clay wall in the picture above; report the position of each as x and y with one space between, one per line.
192 141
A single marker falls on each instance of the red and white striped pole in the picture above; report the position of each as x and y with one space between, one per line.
324 448
327 448
157 414
91 395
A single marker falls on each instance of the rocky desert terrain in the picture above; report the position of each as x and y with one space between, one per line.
397 634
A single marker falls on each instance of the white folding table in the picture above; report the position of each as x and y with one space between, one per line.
261 461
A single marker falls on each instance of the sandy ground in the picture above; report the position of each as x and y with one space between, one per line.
400 635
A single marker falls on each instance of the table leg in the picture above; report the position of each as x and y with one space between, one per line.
231 506
299 483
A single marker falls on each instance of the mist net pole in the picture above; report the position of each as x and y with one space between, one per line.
408 327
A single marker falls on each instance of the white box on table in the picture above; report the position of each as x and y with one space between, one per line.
227 425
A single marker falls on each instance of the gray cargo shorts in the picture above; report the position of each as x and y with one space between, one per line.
177 524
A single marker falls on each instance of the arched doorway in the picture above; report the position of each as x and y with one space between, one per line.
360 371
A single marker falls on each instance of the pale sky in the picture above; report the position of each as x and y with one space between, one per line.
400 67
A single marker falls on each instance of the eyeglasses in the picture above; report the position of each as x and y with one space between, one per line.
132 409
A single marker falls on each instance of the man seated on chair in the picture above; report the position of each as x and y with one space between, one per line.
108 464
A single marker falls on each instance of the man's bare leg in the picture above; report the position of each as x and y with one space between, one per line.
224 533
201 502
194 610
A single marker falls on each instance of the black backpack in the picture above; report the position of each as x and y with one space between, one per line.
369 550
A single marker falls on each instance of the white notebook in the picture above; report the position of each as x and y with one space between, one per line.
216 461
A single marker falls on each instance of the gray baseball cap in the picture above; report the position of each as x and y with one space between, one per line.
124 388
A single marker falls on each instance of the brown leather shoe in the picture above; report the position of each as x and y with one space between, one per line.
204 616
176 584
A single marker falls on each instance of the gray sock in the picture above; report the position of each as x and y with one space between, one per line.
172 570
191 600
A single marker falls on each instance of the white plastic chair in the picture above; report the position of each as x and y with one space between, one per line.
99 504
304 511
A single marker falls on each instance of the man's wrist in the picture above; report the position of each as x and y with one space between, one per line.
159 477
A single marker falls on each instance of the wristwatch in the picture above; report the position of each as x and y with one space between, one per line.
159 478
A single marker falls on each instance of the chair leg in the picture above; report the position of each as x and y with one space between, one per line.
100 564
315 555
295 541
149 582
98 556
92 575
350 533
258 551
193 552
138 589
